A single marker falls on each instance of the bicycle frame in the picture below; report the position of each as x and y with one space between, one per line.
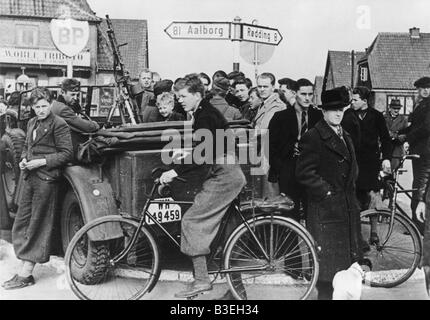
397 189
236 209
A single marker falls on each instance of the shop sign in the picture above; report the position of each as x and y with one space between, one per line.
42 57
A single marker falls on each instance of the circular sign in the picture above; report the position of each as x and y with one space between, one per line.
255 53
70 36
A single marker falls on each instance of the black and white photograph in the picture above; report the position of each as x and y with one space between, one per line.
215 151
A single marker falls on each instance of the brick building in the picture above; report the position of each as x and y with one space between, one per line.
338 70
29 58
392 64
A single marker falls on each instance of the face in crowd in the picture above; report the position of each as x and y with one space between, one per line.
3 108
357 103
71 97
189 101
304 96
145 80
165 104
242 92
205 83
254 100
333 117
42 108
423 92
394 112
290 95
265 87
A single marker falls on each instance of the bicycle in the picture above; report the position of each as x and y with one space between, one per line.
265 251
395 244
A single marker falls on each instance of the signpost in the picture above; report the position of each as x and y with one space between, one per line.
70 37
199 30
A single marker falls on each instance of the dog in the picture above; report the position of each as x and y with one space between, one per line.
347 284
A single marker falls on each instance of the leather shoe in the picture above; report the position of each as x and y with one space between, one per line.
194 288
374 239
18 282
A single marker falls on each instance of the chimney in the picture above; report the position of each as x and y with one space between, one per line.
414 33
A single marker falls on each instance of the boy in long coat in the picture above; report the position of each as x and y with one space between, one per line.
327 168
48 148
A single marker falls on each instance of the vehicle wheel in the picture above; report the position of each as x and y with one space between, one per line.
13 140
282 251
128 275
92 258
395 259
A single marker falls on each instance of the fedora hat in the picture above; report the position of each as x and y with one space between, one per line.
335 98
395 104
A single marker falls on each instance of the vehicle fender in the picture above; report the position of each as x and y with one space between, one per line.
96 199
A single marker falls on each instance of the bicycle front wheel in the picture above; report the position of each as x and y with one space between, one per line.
395 261
272 259
121 271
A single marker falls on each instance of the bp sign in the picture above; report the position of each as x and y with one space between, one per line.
70 36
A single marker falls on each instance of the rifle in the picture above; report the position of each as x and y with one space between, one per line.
122 80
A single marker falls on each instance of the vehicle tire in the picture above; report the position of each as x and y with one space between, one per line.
13 141
394 260
127 275
90 261
291 270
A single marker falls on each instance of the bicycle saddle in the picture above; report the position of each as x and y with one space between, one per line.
281 203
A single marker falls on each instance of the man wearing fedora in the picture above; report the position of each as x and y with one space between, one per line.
417 135
67 107
395 122
327 168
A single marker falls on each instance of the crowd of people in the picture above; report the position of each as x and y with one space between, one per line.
326 158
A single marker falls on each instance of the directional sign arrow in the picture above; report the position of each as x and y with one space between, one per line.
199 30
254 33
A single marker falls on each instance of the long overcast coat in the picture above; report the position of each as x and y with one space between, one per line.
327 164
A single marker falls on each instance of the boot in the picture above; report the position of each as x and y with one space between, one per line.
427 276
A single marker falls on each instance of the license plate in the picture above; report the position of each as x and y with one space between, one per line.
164 212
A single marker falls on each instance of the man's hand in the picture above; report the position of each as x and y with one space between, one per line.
386 166
421 211
168 176
23 164
34 164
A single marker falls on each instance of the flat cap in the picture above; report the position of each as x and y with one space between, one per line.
423 82
162 86
221 84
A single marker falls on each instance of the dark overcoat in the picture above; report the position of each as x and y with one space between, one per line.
374 142
327 164
33 227
283 132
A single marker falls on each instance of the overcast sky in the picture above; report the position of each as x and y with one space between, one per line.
309 27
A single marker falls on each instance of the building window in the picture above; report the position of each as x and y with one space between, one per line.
363 74
27 35
407 103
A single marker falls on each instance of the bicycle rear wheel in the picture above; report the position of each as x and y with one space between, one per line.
291 271
126 279
396 261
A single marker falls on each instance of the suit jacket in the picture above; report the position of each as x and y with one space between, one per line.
328 164
53 142
265 113
283 133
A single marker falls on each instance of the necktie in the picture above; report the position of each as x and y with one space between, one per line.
304 124
36 127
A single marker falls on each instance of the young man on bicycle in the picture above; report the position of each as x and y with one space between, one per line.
222 185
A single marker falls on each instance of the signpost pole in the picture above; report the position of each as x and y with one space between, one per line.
256 59
69 67
236 43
